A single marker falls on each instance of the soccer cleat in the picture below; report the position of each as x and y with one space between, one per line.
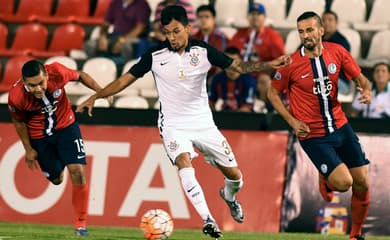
235 208
357 237
325 191
211 228
81 232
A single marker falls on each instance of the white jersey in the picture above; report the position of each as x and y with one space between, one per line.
181 82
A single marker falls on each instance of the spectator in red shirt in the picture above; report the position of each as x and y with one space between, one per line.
258 42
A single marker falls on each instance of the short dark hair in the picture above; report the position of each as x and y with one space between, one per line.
328 11
310 14
380 64
233 51
32 68
174 12
203 8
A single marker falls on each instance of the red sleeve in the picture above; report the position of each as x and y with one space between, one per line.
280 79
350 67
14 109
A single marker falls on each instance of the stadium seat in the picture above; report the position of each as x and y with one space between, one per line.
98 15
231 14
28 37
347 18
68 11
378 50
103 70
12 72
3 36
297 8
66 37
292 41
6 8
134 102
378 19
144 86
64 60
354 40
4 98
29 11
275 10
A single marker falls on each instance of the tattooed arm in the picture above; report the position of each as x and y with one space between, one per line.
247 67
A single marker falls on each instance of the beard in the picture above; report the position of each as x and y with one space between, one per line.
309 45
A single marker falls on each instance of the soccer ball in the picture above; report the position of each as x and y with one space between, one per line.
156 224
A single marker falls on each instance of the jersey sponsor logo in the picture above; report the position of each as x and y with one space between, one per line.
320 88
50 108
57 93
332 68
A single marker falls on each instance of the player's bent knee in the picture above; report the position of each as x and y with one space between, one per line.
343 184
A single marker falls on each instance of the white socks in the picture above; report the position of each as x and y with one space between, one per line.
231 188
194 192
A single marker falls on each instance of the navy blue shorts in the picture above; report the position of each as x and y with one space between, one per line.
62 148
342 146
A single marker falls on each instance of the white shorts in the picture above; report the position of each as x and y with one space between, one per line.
210 142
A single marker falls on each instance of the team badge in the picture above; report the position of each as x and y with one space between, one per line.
332 68
194 61
173 146
57 93
278 75
324 168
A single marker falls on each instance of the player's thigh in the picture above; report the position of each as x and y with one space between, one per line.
48 158
70 145
350 151
177 142
215 148
322 153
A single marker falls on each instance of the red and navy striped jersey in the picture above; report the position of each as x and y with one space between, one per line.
311 84
53 112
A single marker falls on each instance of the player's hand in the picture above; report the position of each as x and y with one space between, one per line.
87 104
301 129
365 95
281 61
31 159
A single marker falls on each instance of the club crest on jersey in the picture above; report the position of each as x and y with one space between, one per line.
332 68
57 93
194 61
278 75
173 146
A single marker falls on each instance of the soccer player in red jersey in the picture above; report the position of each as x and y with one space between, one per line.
318 119
45 123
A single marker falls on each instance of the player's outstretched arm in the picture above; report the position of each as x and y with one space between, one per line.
91 83
111 89
247 67
300 128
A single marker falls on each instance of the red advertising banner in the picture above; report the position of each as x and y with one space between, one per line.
129 173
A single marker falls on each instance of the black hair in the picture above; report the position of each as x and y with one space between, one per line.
233 51
174 12
32 68
332 13
310 14
208 8
382 63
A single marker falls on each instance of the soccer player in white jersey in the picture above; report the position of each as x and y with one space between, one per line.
180 66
